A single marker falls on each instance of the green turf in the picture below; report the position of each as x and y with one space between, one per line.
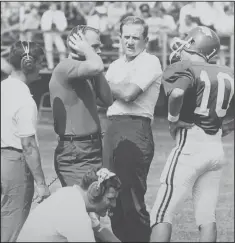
184 229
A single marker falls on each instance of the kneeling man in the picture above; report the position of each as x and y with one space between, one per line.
64 215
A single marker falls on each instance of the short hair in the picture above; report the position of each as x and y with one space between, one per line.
135 20
17 52
91 177
83 29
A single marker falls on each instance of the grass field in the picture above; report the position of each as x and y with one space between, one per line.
184 228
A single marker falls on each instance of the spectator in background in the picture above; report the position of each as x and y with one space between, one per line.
144 11
224 24
130 10
76 17
4 16
53 22
87 8
173 9
190 9
99 20
14 17
153 25
190 23
115 10
208 13
159 22
30 22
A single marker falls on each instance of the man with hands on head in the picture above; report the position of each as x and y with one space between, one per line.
76 84
76 87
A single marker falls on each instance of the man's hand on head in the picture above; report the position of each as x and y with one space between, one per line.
78 43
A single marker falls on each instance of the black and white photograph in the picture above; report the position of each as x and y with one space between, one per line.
117 121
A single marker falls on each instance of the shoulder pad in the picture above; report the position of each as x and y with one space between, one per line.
177 70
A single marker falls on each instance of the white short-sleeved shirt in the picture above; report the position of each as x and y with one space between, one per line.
60 218
145 71
18 112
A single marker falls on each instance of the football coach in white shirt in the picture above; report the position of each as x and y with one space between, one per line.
20 158
135 82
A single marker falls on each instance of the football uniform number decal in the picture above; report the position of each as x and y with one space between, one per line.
203 110
221 78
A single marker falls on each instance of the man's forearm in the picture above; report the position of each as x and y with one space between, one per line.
103 90
33 160
92 56
118 91
125 92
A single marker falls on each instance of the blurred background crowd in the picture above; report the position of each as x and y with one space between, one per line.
50 22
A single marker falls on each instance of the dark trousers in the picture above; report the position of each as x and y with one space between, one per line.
72 159
17 190
128 151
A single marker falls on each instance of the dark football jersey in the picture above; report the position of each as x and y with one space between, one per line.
209 89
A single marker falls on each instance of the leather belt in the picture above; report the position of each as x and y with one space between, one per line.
79 138
130 117
13 149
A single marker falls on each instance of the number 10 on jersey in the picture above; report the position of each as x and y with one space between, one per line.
221 77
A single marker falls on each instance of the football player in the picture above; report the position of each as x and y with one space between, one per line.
198 93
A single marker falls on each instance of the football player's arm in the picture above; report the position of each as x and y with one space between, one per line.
175 91
129 90
103 91
175 103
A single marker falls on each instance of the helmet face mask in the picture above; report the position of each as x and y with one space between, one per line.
177 46
200 40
